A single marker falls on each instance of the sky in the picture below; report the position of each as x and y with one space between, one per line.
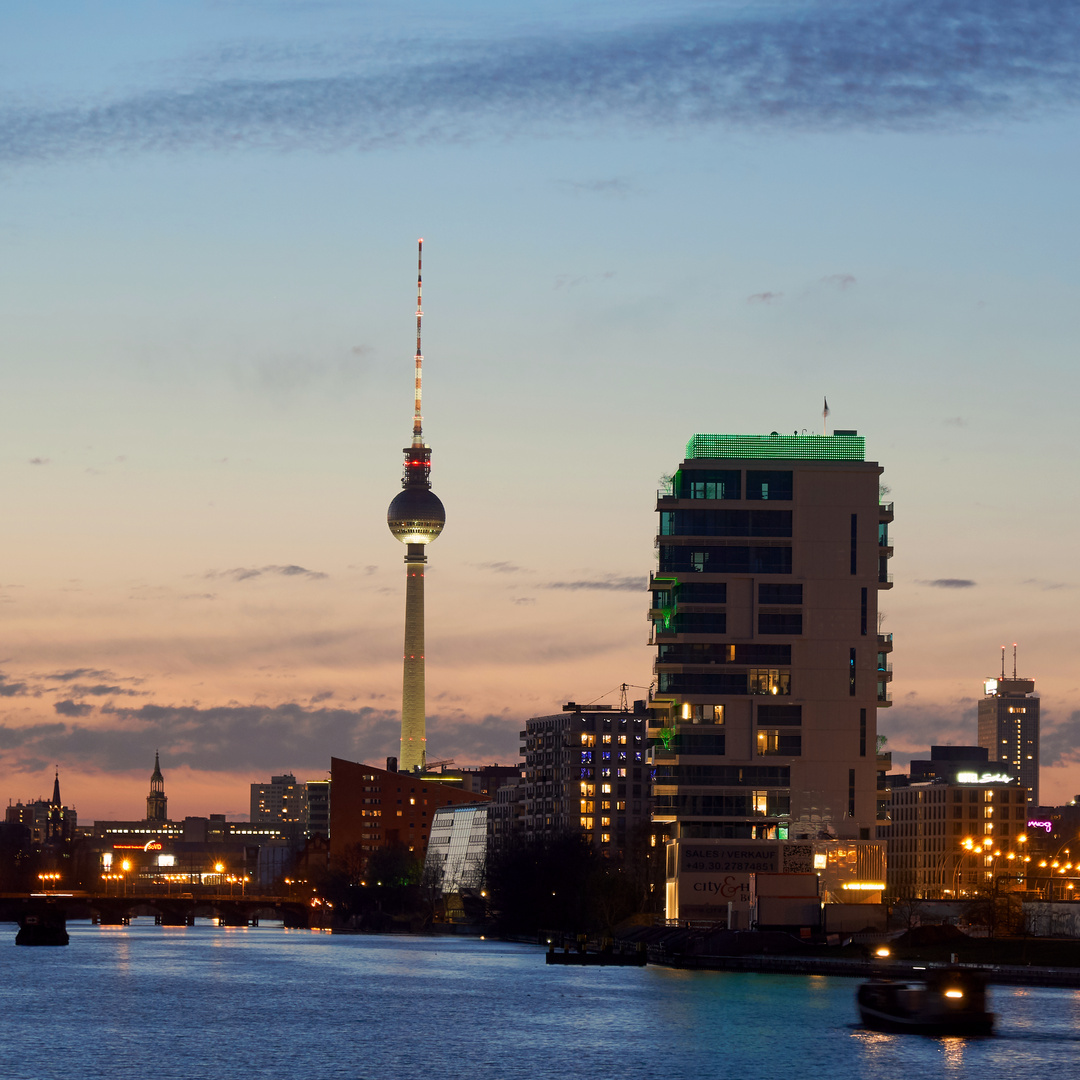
641 221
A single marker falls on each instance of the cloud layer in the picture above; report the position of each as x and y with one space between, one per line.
822 66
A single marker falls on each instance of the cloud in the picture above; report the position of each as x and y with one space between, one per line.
954 421
616 187
246 737
899 64
80 673
839 281
501 567
71 708
949 583
764 297
243 573
1060 743
523 600
40 461
609 583
12 689
1048 586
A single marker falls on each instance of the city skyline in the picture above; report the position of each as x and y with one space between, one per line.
209 217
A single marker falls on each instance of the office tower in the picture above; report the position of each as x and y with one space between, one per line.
416 517
156 802
769 667
585 772
1009 726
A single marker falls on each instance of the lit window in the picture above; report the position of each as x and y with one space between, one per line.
605 789
769 681
607 740
605 823
605 838
622 740
586 822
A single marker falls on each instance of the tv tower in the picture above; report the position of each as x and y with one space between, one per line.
416 517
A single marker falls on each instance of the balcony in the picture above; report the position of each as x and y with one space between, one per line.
884 697
885 511
885 581
884 642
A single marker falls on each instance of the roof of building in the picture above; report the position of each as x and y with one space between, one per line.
840 446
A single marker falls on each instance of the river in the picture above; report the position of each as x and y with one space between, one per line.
203 1002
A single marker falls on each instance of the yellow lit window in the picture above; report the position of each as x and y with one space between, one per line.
605 805
622 740
605 789
587 806
605 838
607 740
605 823
586 822
620 805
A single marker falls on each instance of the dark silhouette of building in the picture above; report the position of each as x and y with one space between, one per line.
156 801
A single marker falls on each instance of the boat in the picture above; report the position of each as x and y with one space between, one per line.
42 929
946 1001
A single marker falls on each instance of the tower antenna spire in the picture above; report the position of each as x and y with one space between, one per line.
1014 659
418 420
1003 661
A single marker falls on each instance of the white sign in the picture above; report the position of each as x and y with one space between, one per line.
986 778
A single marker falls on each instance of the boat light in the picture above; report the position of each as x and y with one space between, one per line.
883 951
954 993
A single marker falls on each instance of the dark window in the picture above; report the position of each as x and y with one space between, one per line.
772 741
854 542
735 804
709 653
851 793
693 742
768 485
725 775
725 522
700 622
708 484
787 623
780 715
778 593
862 614
724 560
701 592
851 673
862 733
681 683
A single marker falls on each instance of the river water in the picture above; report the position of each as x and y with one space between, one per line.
203 1002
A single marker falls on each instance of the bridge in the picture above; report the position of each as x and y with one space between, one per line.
167 908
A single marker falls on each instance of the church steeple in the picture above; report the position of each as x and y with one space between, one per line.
56 790
156 802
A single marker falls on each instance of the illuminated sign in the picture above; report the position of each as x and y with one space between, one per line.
986 778
990 686
1047 825
152 845
864 886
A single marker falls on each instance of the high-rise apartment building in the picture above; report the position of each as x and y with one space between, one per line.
769 665
1009 727
586 773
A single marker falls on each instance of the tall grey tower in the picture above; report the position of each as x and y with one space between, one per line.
416 517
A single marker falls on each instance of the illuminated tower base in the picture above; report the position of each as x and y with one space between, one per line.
413 718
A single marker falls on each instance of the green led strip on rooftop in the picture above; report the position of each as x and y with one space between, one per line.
779 447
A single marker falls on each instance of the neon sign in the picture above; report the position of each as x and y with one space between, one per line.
1047 825
986 778
152 845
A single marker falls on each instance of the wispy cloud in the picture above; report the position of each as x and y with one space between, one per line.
899 64
40 461
501 567
949 583
12 689
608 583
1059 743
615 187
839 281
764 297
245 573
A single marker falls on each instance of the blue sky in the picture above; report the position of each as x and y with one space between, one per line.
641 221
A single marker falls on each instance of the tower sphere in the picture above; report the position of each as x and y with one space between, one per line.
416 516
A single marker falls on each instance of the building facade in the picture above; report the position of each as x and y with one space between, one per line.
769 665
457 848
586 773
1009 728
951 840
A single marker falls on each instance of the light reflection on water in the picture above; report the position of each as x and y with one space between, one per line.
202 1001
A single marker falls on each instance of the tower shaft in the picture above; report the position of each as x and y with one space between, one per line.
413 707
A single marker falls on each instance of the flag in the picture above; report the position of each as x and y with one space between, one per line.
825 411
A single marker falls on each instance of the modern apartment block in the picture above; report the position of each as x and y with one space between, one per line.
585 772
1009 727
769 665
286 800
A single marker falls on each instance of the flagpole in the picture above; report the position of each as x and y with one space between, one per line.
825 417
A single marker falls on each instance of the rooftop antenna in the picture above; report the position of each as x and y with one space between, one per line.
1003 661
418 420
1014 659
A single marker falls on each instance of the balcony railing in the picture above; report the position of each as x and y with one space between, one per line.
885 508
884 642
